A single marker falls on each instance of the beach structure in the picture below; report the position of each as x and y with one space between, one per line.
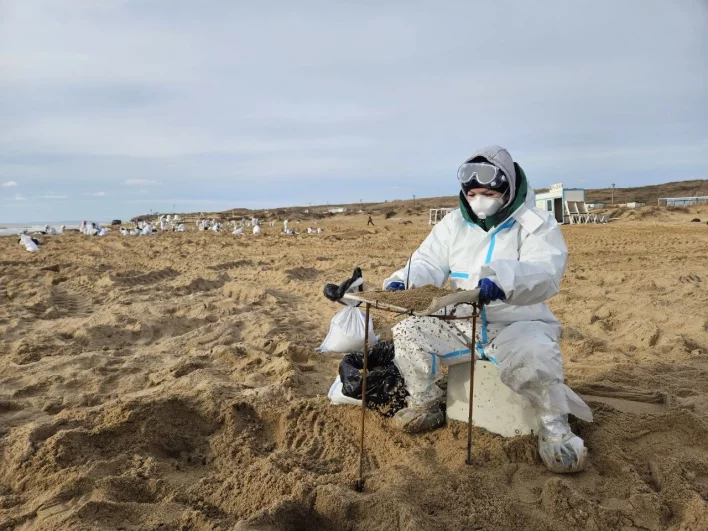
555 199
437 214
683 201
578 212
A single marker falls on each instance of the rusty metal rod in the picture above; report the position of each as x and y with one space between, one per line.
360 483
473 356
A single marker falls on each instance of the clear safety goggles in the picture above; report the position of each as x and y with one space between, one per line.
481 172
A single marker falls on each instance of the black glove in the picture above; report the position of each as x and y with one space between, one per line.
335 293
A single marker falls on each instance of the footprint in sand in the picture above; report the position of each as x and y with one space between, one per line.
69 303
132 278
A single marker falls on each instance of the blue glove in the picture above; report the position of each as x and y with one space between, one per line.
489 291
395 286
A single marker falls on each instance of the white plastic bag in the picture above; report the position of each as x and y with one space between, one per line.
338 398
346 331
28 243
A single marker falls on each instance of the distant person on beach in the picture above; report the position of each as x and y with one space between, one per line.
499 242
370 222
91 229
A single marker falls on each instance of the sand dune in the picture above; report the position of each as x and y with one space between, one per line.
172 383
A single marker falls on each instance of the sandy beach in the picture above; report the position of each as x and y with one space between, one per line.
173 383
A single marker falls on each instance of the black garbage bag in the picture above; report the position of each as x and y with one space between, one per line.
385 388
335 293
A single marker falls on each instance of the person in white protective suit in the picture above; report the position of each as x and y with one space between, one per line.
515 253
285 227
146 230
256 230
92 229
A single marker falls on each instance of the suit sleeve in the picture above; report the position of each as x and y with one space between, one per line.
535 277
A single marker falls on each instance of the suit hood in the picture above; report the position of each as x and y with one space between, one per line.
499 157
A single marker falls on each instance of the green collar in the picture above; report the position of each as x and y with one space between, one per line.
502 215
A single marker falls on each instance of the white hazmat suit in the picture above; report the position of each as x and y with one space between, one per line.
526 256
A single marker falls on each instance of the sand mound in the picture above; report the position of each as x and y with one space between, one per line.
173 383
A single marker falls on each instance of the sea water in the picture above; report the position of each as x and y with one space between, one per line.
8 229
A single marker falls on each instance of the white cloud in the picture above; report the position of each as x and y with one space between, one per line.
8 184
134 182
53 196
99 194
19 197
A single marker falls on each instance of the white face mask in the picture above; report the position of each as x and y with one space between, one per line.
484 206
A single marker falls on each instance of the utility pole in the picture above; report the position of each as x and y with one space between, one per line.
413 200
613 194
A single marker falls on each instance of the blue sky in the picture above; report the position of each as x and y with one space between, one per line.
111 108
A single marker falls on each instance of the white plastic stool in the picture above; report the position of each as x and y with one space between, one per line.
496 408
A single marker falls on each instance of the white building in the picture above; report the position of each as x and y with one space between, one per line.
337 210
596 204
683 201
635 204
554 200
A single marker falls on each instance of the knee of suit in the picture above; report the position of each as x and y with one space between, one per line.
528 352
411 359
